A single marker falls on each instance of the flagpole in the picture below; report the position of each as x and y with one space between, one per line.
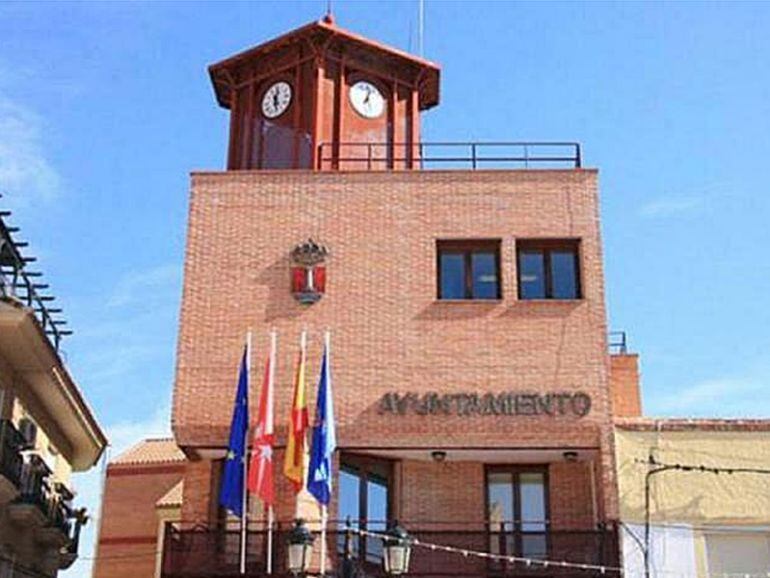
304 456
270 513
245 499
324 511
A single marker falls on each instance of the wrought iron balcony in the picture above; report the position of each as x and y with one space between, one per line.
52 503
373 156
11 443
200 551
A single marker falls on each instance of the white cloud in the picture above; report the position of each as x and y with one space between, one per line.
737 396
665 207
25 172
124 434
139 285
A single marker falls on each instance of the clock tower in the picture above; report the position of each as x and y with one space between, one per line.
323 98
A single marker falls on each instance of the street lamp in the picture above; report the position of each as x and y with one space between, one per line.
300 548
397 547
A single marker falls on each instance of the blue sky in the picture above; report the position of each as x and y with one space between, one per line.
106 107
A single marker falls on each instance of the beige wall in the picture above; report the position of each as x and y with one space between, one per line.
695 497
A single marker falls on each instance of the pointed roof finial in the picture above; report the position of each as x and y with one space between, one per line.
328 17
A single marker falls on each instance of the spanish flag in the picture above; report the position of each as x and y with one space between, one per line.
294 461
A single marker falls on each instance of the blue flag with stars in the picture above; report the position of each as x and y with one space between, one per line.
234 476
319 479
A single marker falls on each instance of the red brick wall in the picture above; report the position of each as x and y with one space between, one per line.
624 384
129 524
200 483
570 491
388 331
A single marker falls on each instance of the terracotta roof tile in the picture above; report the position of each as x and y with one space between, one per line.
172 498
151 451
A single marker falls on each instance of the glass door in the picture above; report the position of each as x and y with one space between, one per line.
517 511
364 499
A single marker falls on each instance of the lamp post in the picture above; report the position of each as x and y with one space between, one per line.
300 548
397 548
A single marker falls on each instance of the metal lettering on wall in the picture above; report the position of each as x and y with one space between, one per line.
468 404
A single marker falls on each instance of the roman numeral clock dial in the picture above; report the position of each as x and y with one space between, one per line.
276 99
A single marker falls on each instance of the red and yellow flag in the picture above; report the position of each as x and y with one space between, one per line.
296 445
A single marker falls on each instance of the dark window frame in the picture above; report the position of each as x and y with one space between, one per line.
548 246
516 531
368 468
467 247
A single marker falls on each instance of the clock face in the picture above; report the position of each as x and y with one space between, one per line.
276 99
366 99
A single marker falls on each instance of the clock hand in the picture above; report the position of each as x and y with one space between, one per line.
275 99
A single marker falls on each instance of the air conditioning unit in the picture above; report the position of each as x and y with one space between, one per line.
28 431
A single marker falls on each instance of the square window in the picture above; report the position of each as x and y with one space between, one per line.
549 269
469 269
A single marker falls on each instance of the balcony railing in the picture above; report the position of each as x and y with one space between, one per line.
10 568
200 551
11 443
37 490
372 156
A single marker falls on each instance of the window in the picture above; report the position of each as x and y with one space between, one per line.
517 511
364 498
549 269
469 269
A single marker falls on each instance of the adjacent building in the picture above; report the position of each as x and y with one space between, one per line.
143 490
47 430
693 494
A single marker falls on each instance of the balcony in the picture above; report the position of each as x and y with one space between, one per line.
11 443
374 156
198 551
43 504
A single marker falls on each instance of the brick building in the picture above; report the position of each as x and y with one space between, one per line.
464 294
143 489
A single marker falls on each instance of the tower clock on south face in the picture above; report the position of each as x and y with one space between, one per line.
276 99
366 99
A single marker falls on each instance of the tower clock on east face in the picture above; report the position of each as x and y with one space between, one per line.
276 99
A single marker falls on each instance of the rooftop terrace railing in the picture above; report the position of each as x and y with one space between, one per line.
373 156
21 285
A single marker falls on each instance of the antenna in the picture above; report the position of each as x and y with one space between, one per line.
421 28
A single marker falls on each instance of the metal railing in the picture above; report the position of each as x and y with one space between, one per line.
448 155
37 489
19 284
11 443
11 568
214 552
617 342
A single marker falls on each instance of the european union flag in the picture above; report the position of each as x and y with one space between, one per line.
319 479
233 478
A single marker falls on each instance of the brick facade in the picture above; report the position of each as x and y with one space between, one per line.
128 538
389 332
624 384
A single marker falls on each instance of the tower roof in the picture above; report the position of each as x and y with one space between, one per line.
320 36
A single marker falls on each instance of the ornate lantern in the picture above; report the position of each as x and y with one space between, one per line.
308 273
397 549
300 548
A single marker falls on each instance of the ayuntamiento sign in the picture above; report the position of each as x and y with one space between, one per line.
577 404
